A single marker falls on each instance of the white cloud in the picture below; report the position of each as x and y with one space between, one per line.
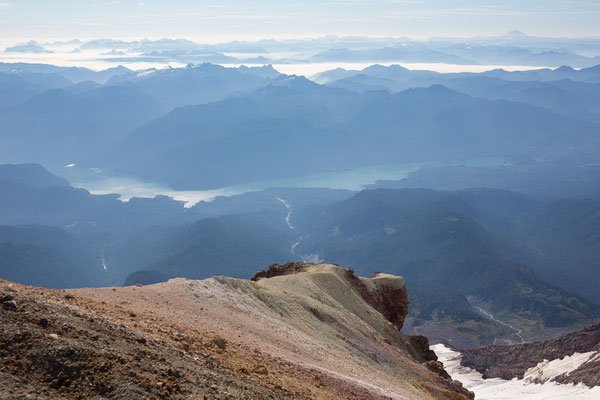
4 5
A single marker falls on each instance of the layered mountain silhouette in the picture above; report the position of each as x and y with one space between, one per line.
220 144
564 90
206 126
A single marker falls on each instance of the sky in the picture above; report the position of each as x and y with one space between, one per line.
222 20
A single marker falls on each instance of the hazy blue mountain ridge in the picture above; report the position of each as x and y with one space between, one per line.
73 74
219 144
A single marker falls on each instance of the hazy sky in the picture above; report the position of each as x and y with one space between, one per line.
222 20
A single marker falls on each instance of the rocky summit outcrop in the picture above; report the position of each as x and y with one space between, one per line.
385 293
316 333
515 361
279 270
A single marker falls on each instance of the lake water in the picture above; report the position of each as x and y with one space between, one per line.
97 182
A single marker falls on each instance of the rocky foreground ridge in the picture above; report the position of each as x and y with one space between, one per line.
513 361
297 331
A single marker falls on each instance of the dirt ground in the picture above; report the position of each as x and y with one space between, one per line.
221 338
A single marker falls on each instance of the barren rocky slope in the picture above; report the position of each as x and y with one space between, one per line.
311 331
514 361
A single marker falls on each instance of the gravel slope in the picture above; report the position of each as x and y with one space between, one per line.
311 334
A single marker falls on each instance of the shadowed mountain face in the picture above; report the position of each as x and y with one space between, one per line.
77 122
33 175
60 126
555 178
454 240
450 245
16 87
50 257
566 236
234 246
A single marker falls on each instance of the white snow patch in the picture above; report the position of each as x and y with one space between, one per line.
146 73
548 370
500 389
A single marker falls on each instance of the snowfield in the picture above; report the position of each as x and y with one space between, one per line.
500 389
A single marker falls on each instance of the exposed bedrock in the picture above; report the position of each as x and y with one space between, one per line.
385 293
512 361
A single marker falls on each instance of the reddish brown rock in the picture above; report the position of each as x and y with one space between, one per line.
419 346
389 300
278 270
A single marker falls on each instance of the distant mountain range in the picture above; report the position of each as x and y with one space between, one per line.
218 144
204 126
75 122
204 83
564 90
514 48
72 74
30 47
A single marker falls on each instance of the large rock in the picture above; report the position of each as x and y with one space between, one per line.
10 305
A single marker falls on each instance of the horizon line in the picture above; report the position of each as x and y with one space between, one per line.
236 38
